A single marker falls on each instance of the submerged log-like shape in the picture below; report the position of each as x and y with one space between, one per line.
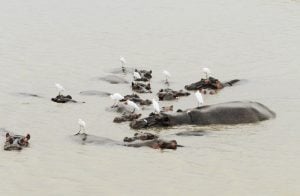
95 93
228 113
113 79
210 83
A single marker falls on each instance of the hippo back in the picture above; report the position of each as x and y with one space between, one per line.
224 113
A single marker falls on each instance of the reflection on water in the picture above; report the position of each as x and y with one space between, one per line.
71 43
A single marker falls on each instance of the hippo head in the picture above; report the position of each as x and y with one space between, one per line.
153 120
194 86
146 102
16 142
168 144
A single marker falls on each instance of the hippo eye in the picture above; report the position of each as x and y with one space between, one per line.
165 120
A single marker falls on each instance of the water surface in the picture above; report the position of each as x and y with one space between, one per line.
74 42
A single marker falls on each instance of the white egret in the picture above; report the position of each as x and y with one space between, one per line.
155 106
60 88
133 105
199 98
167 74
136 75
123 61
206 71
81 126
117 97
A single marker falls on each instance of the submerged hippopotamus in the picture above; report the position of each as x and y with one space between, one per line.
169 94
145 75
24 94
63 99
139 140
140 87
167 108
95 93
16 142
136 99
126 117
140 136
236 112
210 84
113 79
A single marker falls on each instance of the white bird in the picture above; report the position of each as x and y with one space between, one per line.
81 126
155 106
167 74
133 105
199 98
123 61
117 97
206 71
136 75
60 88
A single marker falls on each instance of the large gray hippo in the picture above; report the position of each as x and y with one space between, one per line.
229 113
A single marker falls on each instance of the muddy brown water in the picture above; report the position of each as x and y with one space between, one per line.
74 42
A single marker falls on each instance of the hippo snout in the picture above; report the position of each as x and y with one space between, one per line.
187 87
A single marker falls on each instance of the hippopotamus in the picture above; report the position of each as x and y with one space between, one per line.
229 113
95 93
126 117
167 108
140 136
210 84
137 141
136 99
169 94
27 94
120 108
145 75
63 99
140 87
16 142
123 70
113 79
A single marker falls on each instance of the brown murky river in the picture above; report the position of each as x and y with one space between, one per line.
75 42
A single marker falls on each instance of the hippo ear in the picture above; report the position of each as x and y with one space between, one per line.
150 71
11 140
132 84
28 136
7 135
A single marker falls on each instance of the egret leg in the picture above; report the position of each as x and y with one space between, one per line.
114 105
